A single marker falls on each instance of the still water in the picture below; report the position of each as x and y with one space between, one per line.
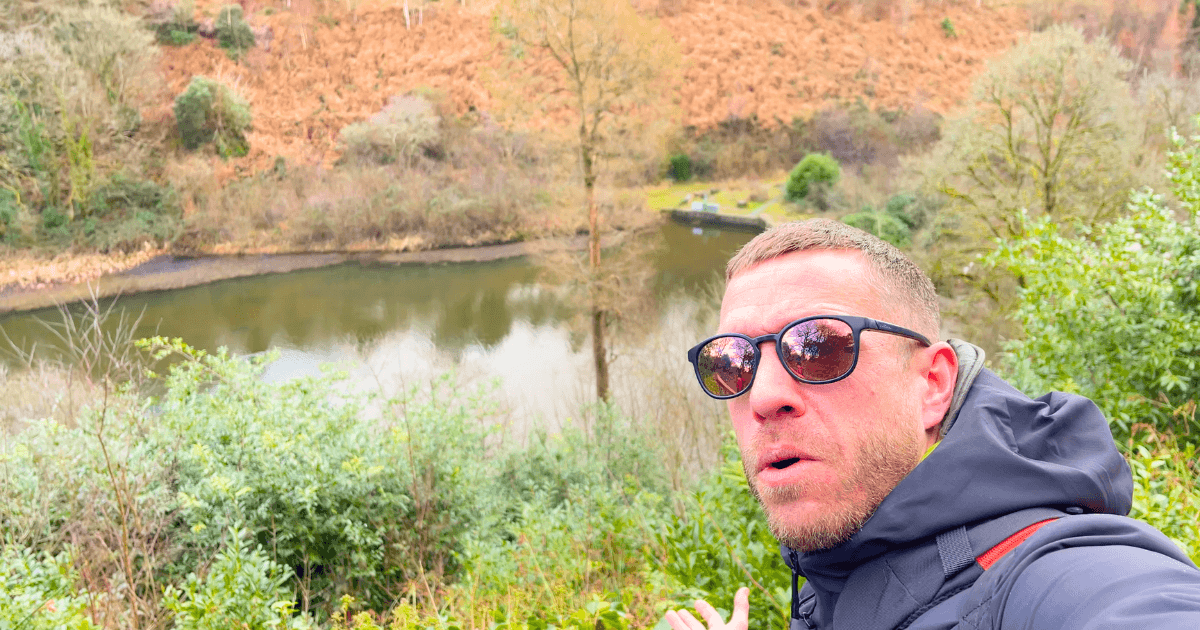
396 326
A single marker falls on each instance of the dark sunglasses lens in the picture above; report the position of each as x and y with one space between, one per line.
819 349
726 365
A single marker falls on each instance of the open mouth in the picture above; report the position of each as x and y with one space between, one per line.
784 463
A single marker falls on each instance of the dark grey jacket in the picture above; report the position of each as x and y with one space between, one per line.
1005 462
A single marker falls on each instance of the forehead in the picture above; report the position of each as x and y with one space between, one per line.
763 298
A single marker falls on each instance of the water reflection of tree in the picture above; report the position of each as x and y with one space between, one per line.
621 287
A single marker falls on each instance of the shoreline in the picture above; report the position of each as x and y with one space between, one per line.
164 271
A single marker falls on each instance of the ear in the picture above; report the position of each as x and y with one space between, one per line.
938 370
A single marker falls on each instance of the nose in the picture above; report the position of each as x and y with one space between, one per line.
774 394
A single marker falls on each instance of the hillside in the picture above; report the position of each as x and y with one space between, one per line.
321 66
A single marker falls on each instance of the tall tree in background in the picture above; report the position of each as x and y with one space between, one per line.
1053 130
617 67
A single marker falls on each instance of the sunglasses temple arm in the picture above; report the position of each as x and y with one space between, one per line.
897 330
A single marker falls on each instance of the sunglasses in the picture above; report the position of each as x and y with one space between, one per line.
814 350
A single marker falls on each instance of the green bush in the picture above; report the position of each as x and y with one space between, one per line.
1166 487
233 33
126 211
38 591
721 542
53 218
885 225
9 213
208 111
948 29
175 26
242 588
1114 313
815 168
349 505
680 167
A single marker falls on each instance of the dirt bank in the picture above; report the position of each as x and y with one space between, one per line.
164 271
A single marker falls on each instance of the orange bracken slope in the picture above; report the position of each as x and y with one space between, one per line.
323 65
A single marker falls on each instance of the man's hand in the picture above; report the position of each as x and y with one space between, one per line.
739 620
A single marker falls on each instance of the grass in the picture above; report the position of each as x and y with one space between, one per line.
762 198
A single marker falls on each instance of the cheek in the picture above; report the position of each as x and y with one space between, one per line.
740 415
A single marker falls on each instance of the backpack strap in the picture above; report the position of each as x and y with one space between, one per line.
996 537
989 557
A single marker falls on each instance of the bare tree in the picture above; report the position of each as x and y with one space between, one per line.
617 67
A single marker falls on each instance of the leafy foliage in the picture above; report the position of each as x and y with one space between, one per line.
814 169
948 29
242 588
722 541
208 111
1054 131
175 25
346 505
1114 313
1166 486
680 167
233 33
38 591
885 225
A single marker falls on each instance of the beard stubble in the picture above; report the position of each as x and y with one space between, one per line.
885 458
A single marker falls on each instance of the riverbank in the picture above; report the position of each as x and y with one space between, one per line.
29 283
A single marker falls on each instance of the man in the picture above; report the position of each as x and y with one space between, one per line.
911 487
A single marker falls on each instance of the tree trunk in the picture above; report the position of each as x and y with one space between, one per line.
599 353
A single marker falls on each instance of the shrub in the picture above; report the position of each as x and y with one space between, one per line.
53 218
175 26
233 33
680 167
349 505
127 211
565 518
9 213
902 207
722 541
242 588
815 168
1166 486
885 225
405 127
38 591
208 111
948 29
1114 313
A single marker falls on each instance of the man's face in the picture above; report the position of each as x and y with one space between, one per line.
820 458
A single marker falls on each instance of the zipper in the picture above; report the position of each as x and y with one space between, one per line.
806 615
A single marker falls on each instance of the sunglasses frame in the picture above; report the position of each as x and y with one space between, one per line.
856 324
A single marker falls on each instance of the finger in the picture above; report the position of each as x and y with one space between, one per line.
710 614
741 609
677 622
693 623
682 620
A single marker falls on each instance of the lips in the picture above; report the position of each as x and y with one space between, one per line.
781 458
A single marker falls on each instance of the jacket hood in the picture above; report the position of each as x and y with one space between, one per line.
1002 453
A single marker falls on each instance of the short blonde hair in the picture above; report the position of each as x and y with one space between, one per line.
895 275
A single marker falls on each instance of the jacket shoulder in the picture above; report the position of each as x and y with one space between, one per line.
1093 571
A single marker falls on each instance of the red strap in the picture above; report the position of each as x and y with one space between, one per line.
990 556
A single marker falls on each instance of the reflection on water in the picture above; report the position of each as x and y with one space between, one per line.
402 325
